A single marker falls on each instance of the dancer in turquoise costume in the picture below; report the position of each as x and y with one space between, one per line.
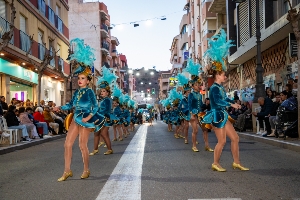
167 104
131 106
117 112
175 118
104 84
125 114
151 116
218 116
184 113
84 102
195 105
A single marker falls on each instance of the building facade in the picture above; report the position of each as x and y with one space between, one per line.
31 30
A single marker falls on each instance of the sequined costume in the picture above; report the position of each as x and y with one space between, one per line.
117 112
184 109
218 115
85 104
105 110
175 118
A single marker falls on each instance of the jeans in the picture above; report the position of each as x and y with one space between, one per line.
23 128
267 123
45 127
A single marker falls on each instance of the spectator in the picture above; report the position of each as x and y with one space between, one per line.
57 120
38 124
235 96
50 104
241 120
270 94
273 114
13 101
290 81
38 116
24 119
48 118
289 89
42 103
155 115
13 122
3 103
266 109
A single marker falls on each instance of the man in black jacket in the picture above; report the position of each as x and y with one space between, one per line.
266 109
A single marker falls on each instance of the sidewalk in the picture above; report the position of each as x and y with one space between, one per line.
289 143
22 145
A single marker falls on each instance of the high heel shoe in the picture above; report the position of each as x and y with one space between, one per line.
109 152
65 176
94 152
195 149
209 149
186 142
239 166
85 174
216 168
100 144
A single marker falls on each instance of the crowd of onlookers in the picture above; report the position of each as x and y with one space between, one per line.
33 121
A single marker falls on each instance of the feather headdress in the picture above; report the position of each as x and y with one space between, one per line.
166 103
218 50
124 99
194 69
107 78
175 97
131 104
84 55
117 92
183 82
149 106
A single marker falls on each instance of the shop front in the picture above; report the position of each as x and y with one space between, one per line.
17 82
52 90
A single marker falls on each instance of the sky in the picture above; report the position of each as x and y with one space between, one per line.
148 44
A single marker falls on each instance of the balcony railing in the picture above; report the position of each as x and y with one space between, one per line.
24 41
105 45
5 27
103 26
42 50
51 16
42 7
59 24
52 62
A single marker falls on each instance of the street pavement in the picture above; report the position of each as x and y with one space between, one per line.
151 164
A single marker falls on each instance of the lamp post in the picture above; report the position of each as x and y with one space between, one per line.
259 86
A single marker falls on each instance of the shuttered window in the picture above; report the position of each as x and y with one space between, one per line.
2 9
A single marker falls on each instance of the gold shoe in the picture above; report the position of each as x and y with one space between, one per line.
176 136
185 142
94 152
65 176
209 149
197 142
109 152
239 166
115 139
121 139
85 174
216 168
105 146
101 143
195 149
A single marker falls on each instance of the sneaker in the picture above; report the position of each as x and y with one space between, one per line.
27 139
47 136
271 135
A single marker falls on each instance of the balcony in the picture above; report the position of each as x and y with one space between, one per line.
5 27
114 53
42 7
24 41
52 62
104 31
59 24
105 47
103 11
61 63
41 51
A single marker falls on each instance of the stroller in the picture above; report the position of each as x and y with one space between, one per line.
287 113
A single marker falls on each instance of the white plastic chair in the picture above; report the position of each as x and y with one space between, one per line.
11 132
257 110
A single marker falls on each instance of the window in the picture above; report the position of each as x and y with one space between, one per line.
297 2
57 10
2 9
49 2
22 23
286 7
40 36
51 16
52 62
184 29
42 6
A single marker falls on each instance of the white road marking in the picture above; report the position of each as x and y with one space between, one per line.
125 181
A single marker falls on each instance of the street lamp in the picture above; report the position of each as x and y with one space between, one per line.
260 86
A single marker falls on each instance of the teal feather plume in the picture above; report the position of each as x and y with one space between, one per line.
193 68
108 76
182 80
82 53
117 92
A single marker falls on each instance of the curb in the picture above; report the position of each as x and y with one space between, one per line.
272 141
23 145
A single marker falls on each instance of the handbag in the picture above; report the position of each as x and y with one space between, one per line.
68 121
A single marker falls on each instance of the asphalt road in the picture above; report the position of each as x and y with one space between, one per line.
168 170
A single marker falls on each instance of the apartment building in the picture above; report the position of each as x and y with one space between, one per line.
277 40
39 28
163 81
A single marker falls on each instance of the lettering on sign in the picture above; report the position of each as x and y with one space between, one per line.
27 74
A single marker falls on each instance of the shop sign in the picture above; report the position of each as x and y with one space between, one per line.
17 71
293 47
173 81
186 55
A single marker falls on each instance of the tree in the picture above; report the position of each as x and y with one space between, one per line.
6 37
293 17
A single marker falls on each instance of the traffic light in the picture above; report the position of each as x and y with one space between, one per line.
148 92
153 91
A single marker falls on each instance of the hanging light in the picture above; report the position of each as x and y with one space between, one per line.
163 18
135 25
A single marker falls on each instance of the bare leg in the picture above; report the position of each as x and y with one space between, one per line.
194 123
70 139
205 136
96 140
83 140
105 135
221 136
120 131
233 136
186 129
